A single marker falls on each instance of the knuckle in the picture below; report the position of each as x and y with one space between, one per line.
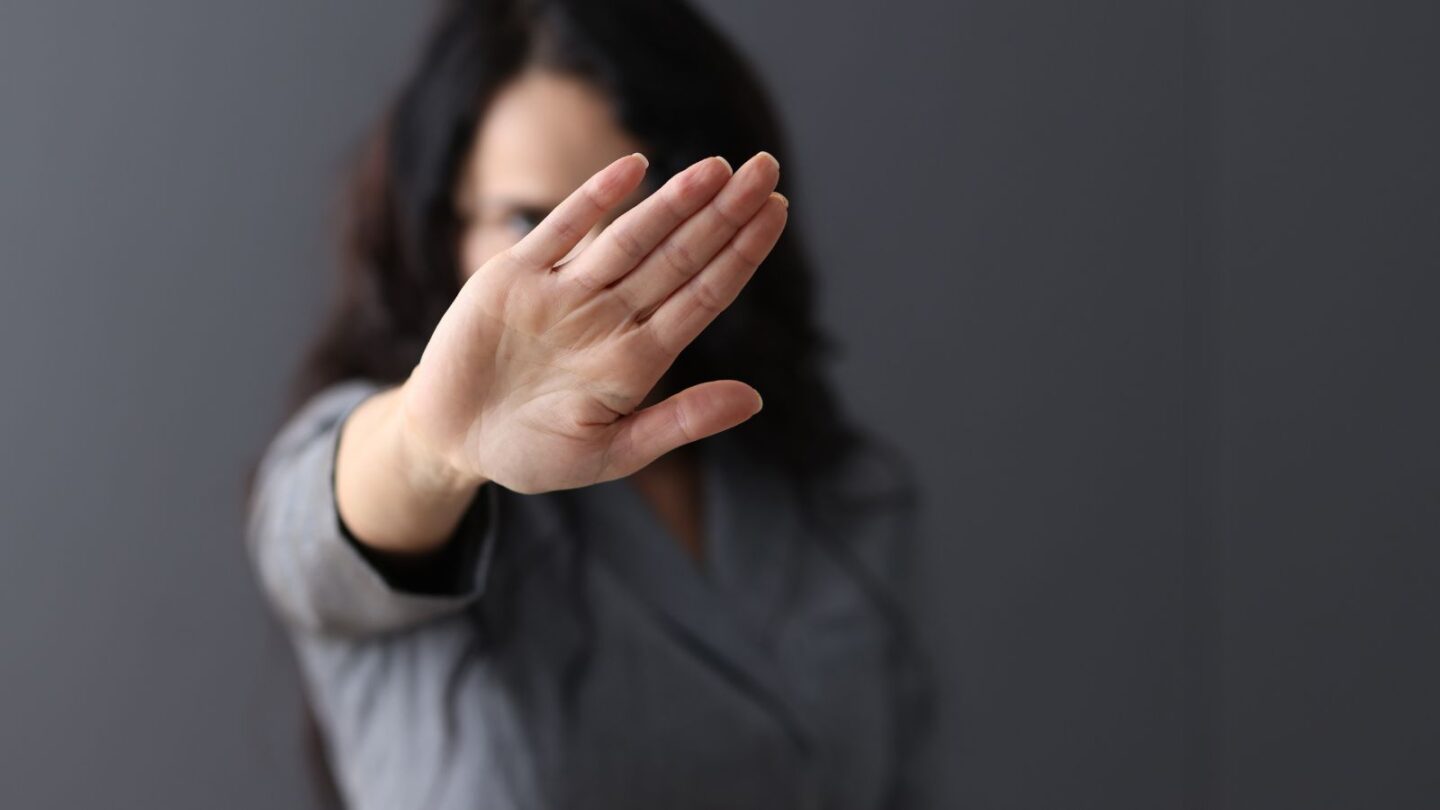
682 422
628 244
661 340
566 229
708 297
747 253
670 203
583 280
593 195
624 299
728 218
679 256
686 182
650 346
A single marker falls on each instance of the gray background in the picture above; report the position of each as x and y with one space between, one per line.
1146 288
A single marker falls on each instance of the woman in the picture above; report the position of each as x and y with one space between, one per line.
512 575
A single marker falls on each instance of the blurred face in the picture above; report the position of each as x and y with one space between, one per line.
542 137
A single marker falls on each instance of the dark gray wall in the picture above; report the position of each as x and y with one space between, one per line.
1144 288
167 170
1321 266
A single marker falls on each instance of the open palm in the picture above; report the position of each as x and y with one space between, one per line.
534 375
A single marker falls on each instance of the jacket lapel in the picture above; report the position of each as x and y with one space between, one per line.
719 611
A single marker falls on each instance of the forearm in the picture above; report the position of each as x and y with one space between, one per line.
391 495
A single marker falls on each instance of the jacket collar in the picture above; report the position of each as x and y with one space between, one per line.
728 608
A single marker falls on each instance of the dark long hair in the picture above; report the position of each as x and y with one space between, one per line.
684 93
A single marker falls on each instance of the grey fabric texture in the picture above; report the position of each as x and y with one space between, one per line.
592 663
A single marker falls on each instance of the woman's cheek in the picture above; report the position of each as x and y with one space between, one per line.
480 245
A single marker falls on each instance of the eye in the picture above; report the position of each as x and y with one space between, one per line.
524 220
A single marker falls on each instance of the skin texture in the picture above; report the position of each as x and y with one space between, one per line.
541 376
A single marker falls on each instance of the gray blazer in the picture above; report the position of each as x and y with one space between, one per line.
578 657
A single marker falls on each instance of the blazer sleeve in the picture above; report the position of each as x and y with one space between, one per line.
317 577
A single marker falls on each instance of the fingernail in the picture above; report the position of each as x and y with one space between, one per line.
722 159
772 159
759 402
785 201
643 160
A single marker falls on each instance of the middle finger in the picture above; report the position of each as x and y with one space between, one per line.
692 245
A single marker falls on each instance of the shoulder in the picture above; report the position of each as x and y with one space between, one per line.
333 403
866 505
872 476
314 423
323 411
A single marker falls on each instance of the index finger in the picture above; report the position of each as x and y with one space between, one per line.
628 240
562 230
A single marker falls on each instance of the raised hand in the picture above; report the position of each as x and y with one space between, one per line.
535 376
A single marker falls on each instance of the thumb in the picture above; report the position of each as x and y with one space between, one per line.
700 411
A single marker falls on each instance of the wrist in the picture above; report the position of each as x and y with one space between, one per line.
392 493
426 468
